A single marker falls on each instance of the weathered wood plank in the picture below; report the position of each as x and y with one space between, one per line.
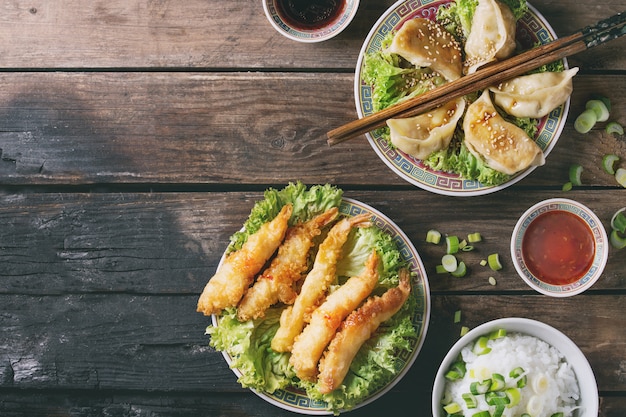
190 128
171 243
157 343
224 34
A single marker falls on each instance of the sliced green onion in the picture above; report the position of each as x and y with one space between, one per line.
457 316
470 400
474 237
617 241
492 281
479 388
449 262
464 331
557 414
467 248
499 410
620 176
460 270
497 334
585 121
540 383
618 221
439 269
452 408
514 396
456 371
452 244
525 415
480 347
608 163
575 172
497 382
604 99
567 186
519 373
496 398
483 262
483 413
614 127
433 236
599 108
494 262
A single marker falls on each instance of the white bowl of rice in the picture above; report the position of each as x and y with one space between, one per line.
515 367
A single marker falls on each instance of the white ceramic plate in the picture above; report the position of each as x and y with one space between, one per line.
531 28
297 401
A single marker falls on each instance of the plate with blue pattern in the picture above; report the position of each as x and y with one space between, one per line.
532 29
296 400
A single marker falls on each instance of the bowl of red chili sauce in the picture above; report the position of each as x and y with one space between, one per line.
559 247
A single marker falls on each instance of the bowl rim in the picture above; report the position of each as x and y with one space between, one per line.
600 237
585 377
310 36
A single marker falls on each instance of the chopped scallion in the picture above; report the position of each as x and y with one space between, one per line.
617 241
460 270
464 331
467 248
608 163
479 388
433 236
457 316
497 382
452 408
470 400
514 396
620 176
575 173
618 221
585 121
492 281
497 334
439 269
599 108
496 398
480 347
604 99
449 262
484 413
494 262
483 262
474 237
614 127
567 186
452 244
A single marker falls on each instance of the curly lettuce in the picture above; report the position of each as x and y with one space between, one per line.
249 343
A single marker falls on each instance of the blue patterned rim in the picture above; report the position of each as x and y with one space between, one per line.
599 234
531 28
313 35
297 401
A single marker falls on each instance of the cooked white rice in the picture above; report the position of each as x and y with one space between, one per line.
551 383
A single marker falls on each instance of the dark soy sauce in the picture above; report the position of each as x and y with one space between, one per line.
309 14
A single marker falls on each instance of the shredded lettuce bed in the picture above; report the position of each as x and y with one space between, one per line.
394 80
248 343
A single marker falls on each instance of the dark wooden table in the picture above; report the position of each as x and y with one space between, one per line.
135 137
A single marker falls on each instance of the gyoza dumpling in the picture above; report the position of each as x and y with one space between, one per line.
492 34
422 135
425 43
502 145
534 95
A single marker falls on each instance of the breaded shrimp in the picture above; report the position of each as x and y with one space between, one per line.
316 283
238 270
277 281
356 330
310 344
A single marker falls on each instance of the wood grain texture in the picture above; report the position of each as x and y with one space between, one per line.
233 128
214 35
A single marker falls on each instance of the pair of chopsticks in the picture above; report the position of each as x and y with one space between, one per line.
588 37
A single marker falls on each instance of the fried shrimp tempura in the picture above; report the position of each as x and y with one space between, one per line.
310 344
276 282
238 270
293 318
356 330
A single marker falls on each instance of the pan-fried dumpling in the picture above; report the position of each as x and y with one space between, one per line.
425 43
422 135
534 95
500 144
492 35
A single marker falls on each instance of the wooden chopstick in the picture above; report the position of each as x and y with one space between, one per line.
487 76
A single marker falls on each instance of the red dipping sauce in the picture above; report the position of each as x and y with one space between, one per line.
558 247
309 14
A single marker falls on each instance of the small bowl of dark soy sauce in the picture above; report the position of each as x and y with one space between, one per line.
310 20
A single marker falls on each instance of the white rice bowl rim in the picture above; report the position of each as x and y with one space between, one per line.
585 377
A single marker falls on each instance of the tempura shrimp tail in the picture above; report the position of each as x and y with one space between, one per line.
310 344
356 330
277 281
238 270
317 280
